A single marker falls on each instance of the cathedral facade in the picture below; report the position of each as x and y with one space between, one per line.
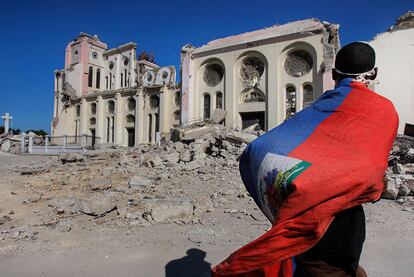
264 76
112 96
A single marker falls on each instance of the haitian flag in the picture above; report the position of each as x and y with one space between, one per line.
327 158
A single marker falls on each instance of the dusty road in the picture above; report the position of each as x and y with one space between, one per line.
108 246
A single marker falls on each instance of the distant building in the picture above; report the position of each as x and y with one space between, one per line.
395 60
112 96
262 77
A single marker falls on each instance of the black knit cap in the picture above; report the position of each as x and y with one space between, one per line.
355 58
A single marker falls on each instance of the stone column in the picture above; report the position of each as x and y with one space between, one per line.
272 106
46 143
230 95
55 104
187 89
138 118
165 114
30 148
23 142
119 120
118 71
83 117
100 120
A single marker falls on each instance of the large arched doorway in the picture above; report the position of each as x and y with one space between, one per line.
251 87
130 129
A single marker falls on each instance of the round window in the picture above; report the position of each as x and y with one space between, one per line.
94 55
213 75
298 63
251 70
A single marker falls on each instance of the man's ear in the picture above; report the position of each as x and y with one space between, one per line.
373 77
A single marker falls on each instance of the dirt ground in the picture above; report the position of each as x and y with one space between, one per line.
38 240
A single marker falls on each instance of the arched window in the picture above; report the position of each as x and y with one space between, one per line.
176 117
110 80
126 76
154 101
106 83
77 110
219 100
157 123
93 108
122 80
90 76
177 98
108 129
307 95
92 121
130 119
252 95
98 78
131 104
111 107
113 128
290 101
207 106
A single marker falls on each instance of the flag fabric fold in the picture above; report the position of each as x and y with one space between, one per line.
329 157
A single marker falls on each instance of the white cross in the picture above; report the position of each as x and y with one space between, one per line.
7 119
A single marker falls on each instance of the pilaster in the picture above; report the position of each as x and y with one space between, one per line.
84 117
100 120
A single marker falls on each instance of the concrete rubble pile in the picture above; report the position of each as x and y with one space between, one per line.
10 143
399 178
175 182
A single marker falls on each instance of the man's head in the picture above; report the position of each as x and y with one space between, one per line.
355 60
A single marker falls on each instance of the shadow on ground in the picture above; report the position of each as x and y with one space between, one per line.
192 265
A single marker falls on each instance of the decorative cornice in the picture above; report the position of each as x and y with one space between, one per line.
91 98
108 95
129 93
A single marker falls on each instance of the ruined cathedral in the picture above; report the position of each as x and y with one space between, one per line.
111 97
263 77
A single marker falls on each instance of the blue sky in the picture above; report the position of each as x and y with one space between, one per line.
34 35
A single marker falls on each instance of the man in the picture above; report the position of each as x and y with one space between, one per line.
339 250
311 174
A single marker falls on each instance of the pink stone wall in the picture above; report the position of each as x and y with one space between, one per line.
84 62
185 85
68 56
328 82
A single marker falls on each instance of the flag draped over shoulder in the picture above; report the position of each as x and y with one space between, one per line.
329 157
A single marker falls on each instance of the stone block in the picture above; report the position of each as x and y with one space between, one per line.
100 184
217 116
165 210
97 206
139 181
